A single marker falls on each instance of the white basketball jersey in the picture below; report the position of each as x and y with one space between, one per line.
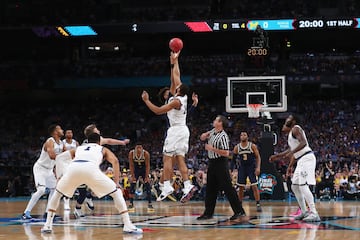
293 143
90 152
178 117
69 146
44 159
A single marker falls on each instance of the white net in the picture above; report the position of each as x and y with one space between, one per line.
254 110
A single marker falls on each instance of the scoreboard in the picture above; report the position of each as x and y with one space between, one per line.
235 25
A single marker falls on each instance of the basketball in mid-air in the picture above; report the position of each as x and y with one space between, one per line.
176 44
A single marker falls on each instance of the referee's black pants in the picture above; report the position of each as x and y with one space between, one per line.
218 178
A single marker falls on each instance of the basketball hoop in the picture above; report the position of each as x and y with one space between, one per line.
254 110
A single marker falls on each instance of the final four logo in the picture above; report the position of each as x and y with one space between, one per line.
267 182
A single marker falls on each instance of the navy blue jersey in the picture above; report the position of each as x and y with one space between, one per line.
246 154
139 161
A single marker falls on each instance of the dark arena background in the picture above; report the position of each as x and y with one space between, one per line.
75 63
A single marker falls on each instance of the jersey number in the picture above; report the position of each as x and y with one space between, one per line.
245 157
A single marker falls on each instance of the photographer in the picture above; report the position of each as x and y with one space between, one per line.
352 189
327 179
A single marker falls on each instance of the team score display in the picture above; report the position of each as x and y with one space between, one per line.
257 52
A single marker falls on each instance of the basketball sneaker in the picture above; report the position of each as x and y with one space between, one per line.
302 216
66 204
89 204
166 191
78 213
150 208
161 186
188 192
26 216
46 229
237 215
312 217
258 208
131 208
132 229
297 213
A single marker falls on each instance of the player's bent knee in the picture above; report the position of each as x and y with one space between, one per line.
41 190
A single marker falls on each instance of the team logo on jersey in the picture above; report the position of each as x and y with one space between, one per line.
266 183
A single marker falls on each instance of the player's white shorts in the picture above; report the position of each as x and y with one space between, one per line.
177 141
44 176
62 162
305 170
87 173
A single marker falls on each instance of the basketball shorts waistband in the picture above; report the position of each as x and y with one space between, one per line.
306 153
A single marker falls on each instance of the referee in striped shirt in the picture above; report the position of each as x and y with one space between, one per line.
218 176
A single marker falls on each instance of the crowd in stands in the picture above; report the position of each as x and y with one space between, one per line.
42 74
40 12
331 125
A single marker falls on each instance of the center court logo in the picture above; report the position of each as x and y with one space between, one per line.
266 183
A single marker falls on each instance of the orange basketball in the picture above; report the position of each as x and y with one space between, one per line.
176 44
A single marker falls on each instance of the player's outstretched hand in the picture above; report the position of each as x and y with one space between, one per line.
126 141
174 56
145 96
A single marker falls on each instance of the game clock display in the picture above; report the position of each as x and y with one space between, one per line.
252 52
343 23
319 23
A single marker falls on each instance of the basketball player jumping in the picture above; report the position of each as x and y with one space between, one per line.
164 95
304 174
250 162
176 143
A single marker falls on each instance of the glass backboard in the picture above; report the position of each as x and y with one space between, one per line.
266 90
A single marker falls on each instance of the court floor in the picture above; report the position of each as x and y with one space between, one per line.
173 220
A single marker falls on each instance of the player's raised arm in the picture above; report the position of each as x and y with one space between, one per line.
175 72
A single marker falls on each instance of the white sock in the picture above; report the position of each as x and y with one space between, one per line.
299 197
50 218
309 198
120 205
